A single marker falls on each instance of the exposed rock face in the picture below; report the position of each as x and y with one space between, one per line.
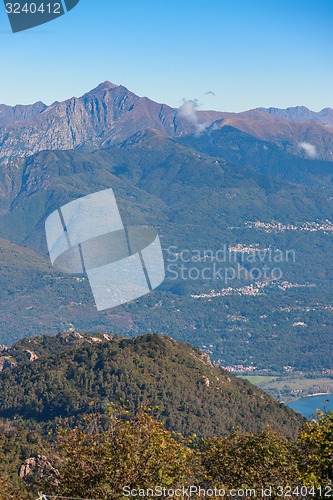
206 359
14 356
10 115
31 355
107 115
203 358
28 466
5 363
41 465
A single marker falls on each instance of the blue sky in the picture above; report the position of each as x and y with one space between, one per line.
248 53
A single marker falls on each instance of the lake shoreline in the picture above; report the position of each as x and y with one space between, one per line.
307 396
308 405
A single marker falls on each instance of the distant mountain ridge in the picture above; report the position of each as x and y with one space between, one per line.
302 114
111 114
20 113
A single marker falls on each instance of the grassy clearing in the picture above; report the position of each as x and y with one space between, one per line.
258 379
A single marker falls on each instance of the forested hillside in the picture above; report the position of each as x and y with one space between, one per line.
52 378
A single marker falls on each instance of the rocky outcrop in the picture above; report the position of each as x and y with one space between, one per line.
39 465
6 362
31 355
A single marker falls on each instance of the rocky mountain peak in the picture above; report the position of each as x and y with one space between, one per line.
103 87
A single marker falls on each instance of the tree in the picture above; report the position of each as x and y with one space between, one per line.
249 461
136 452
315 450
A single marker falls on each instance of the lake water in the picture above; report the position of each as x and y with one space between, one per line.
307 406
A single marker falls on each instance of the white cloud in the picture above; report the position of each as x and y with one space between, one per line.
189 111
310 149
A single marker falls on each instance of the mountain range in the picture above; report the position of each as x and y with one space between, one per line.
256 180
110 114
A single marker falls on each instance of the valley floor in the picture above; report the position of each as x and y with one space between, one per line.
289 388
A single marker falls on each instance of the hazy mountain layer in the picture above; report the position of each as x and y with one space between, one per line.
197 202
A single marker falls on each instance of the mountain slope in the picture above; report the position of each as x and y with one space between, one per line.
71 371
157 181
288 134
35 298
262 156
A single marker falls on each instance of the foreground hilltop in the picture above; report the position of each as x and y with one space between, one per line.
64 376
